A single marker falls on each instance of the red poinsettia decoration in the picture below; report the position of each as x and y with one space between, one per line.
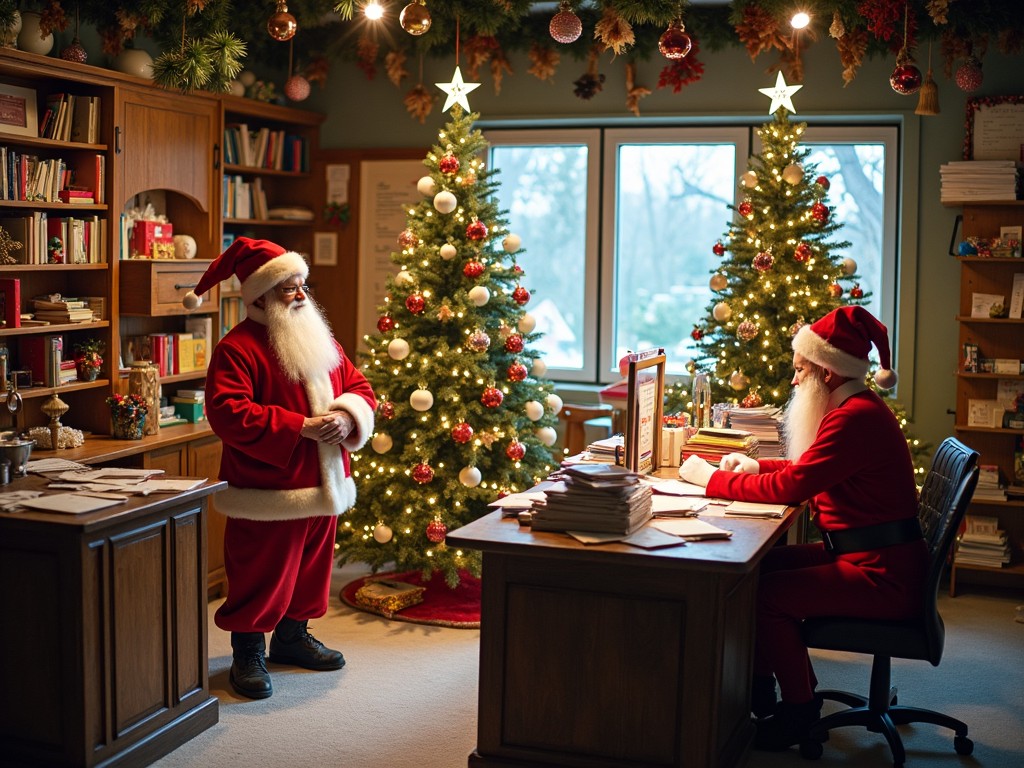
684 71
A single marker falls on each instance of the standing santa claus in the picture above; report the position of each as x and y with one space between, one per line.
288 406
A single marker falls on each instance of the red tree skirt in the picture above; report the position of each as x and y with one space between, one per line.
441 606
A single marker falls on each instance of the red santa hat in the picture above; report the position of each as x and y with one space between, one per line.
259 265
841 342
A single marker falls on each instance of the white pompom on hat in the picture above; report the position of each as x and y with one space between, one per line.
841 342
259 265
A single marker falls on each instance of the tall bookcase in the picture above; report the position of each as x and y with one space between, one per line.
996 338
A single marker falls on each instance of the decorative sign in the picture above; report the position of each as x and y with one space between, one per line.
994 128
645 395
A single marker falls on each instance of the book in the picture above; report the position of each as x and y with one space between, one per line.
1017 296
10 302
76 196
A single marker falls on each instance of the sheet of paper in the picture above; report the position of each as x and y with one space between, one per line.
652 538
677 504
109 473
54 465
589 537
70 503
518 500
168 485
677 488
755 509
691 528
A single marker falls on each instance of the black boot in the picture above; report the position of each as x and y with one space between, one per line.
249 676
291 643
788 726
762 696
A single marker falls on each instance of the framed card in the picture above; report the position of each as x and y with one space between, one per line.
994 128
645 395
325 249
18 111
1010 233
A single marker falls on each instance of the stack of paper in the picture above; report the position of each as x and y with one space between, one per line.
595 497
764 423
606 449
712 444
983 543
965 180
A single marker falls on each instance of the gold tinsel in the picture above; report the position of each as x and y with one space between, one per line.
634 92
837 28
614 31
394 65
852 47
938 10
419 102
545 61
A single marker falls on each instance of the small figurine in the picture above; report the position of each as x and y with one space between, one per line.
55 251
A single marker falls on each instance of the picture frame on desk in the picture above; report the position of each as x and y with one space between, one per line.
18 113
645 395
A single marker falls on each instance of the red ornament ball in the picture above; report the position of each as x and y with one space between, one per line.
449 164
823 182
385 323
746 208
753 400
906 79
407 239
969 75
747 331
565 26
476 230
763 261
462 433
802 253
492 397
436 530
297 88
515 450
517 372
696 334
674 43
835 290
473 269
422 473
516 269
856 292
478 341
387 410
75 52
718 249
514 343
415 303
819 211
520 295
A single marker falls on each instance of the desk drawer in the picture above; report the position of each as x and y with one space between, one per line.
156 287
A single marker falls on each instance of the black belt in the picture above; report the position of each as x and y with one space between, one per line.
872 536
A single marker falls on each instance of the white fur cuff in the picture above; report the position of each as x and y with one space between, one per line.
362 413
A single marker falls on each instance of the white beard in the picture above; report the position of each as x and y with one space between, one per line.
807 407
301 339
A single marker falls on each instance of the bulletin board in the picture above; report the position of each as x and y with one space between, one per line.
645 396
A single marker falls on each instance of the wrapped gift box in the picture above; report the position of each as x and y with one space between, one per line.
388 597
147 234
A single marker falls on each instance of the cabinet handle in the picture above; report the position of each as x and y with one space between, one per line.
117 139
179 286
216 157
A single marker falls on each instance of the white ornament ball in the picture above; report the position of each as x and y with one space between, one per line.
539 368
247 78
718 282
236 88
296 88
403 278
749 179
721 312
470 477
479 295
554 403
445 202
184 247
448 252
381 442
382 534
793 173
421 400
511 242
398 349
527 323
849 265
425 186
534 410
547 435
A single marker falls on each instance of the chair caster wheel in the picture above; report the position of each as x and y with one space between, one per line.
811 750
963 745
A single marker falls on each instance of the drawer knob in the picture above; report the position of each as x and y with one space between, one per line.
179 286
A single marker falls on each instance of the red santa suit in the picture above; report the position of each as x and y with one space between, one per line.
858 472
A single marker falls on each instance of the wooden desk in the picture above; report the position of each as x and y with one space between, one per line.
103 653
612 655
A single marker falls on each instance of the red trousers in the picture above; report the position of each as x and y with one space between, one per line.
803 580
276 569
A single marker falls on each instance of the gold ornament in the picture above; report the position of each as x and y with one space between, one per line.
415 18
54 408
282 25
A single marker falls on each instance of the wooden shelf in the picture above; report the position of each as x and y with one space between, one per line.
53 328
30 393
270 222
252 170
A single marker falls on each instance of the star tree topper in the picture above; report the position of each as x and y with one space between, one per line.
781 95
457 90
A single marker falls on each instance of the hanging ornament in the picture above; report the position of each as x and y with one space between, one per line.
764 261
520 295
721 312
527 323
718 282
398 349
835 290
478 341
746 208
476 230
422 473
547 436
415 303
421 400
404 277
479 295
381 442
515 450
928 98
849 265
407 239
415 18
539 368
514 343
444 314
906 78
448 164
696 334
511 243
473 269
823 182
820 212
803 253
747 331
691 366
856 292
554 403
491 397
74 52
738 381
385 323
517 372
297 88
382 534
387 410
718 249
969 75
565 26
753 400
426 187
795 327
674 43
448 252
282 25
793 174
470 477
445 202
534 410
462 433
748 180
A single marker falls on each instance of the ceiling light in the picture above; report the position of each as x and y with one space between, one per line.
373 10
800 20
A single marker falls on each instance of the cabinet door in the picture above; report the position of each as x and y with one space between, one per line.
170 460
204 461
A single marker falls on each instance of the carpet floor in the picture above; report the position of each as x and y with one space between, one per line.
407 697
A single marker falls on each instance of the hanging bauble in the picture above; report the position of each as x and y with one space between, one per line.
718 282
802 253
470 477
421 400
296 88
511 243
721 312
30 38
479 295
906 78
849 266
674 43
75 52
823 182
387 410
554 403
691 366
835 290
793 173
398 349
969 75
539 368
526 323
819 211
753 400
415 303
422 473
445 202
444 314
697 333
478 341
515 450
385 323
514 343
282 25
749 179
448 164
462 433
764 261
382 534
491 397
473 269
547 435
425 186
476 230
504 330
520 295
407 239
517 372
436 530
448 252
415 18
746 208
565 26
534 410
381 442
404 277
856 292
718 249
738 381
747 330
795 327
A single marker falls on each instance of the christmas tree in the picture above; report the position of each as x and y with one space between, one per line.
464 413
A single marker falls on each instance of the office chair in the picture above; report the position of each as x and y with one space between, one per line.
947 490
574 419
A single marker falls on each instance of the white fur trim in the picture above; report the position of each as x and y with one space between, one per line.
358 409
279 268
820 352
288 504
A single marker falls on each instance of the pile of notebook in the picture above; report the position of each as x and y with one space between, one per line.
763 422
712 444
597 498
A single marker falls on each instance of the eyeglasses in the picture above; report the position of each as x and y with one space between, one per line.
289 291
